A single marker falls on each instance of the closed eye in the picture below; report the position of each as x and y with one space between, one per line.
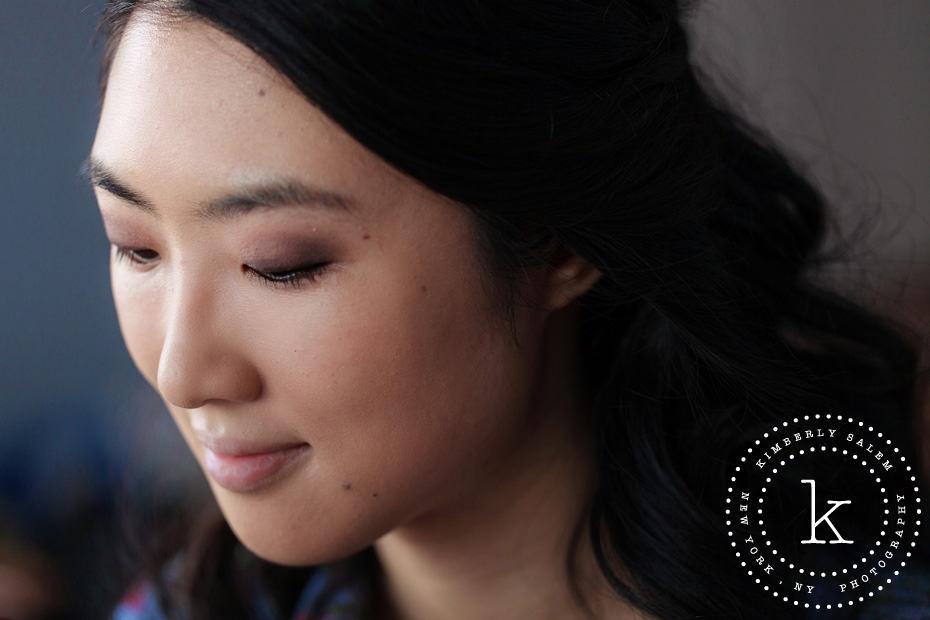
292 277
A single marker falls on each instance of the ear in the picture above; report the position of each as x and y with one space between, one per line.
569 277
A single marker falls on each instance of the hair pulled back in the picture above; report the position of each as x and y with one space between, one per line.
585 124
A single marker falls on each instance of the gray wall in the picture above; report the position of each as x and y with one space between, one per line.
845 86
59 343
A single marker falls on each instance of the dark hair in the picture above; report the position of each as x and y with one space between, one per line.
585 125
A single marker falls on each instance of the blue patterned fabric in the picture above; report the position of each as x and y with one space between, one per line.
324 597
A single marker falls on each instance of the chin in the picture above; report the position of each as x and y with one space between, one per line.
298 541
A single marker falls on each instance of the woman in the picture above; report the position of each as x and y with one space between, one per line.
463 308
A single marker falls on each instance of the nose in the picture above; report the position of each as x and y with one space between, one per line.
202 358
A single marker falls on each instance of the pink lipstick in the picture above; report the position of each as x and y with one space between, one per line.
247 467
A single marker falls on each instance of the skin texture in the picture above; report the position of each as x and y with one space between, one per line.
433 435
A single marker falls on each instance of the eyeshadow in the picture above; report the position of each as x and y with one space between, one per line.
286 253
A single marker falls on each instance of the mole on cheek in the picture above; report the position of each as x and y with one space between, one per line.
366 236
261 92
346 486
423 288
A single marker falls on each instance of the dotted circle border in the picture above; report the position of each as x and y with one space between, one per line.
823 574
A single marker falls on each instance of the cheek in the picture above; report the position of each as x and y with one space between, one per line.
138 310
408 390
394 388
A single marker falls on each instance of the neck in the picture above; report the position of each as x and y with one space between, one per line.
504 551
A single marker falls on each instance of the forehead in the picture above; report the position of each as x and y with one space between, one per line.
191 106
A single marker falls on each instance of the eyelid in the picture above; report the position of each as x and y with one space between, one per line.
131 254
294 277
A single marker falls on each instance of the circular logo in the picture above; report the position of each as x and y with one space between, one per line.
822 512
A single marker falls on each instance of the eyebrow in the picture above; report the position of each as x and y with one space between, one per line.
275 192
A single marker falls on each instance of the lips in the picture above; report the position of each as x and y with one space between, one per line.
248 466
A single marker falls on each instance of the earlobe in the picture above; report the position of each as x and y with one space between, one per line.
569 279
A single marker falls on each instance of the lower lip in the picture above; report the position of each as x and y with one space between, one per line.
252 472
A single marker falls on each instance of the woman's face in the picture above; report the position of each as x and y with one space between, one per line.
327 407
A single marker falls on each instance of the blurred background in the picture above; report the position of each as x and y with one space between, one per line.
842 84
72 406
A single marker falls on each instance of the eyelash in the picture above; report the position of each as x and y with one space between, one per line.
293 278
